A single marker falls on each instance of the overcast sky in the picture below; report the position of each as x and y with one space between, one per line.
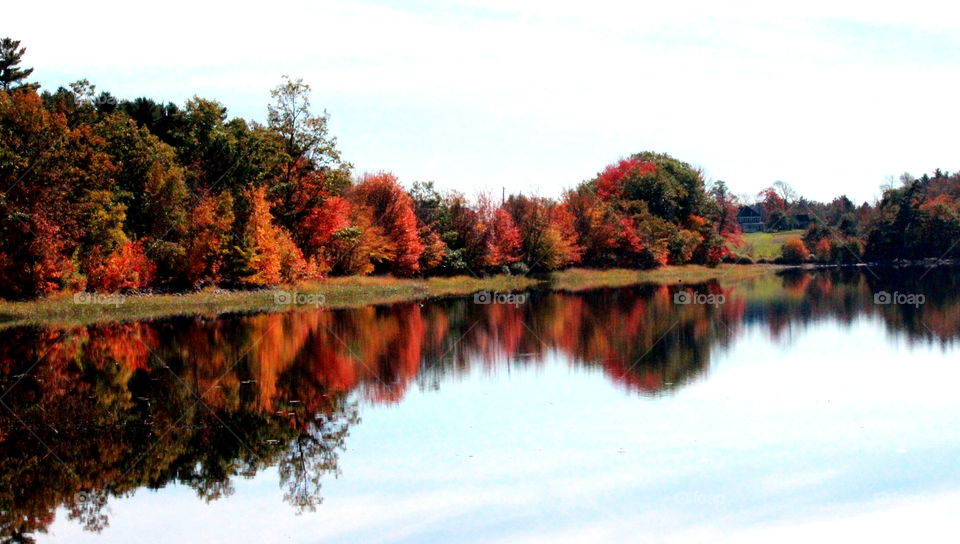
537 96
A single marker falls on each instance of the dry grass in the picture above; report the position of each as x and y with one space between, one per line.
63 310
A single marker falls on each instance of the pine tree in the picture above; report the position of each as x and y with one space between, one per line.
10 55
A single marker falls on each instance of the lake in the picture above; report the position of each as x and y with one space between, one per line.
807 405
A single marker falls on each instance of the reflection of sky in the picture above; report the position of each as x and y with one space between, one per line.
835 434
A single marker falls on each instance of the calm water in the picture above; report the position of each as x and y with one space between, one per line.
797 409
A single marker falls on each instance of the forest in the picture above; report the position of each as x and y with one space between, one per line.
114 195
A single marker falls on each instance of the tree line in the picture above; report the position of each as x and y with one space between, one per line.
105 194
917 218
112 195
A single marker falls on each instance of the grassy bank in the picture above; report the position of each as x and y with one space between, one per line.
576 279
765 245
69 309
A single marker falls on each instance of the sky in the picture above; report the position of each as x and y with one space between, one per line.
832 97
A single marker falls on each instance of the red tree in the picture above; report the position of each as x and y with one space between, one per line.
563 223
609 181
126 268
273 257
503 240
392 209
772 201
210 225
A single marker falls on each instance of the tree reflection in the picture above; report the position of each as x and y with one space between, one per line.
92 413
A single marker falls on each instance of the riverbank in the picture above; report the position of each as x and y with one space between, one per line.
577 279
84 308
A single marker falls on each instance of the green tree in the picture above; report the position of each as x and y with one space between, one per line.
673 190
426 201
150 185
11 75
305 135
162 120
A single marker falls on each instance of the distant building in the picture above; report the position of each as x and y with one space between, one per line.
750 219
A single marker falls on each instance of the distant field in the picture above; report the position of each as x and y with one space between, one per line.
765 245
576 279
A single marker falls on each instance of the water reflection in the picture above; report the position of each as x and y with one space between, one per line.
98 412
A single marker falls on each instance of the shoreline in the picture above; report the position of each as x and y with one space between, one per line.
77 309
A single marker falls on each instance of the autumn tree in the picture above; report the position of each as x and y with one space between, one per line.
597 226
548 233
208 250
56 181
363 246
314 211
727 206
427 205
272 256
126 268
794 251
824 250
463 232
939 229
434 249
774 208
151 185
645 211
503 240
392 209
672 189
320 227
565 241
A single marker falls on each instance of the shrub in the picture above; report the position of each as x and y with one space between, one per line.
824 250
794 251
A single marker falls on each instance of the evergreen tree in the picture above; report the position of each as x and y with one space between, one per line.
10 74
